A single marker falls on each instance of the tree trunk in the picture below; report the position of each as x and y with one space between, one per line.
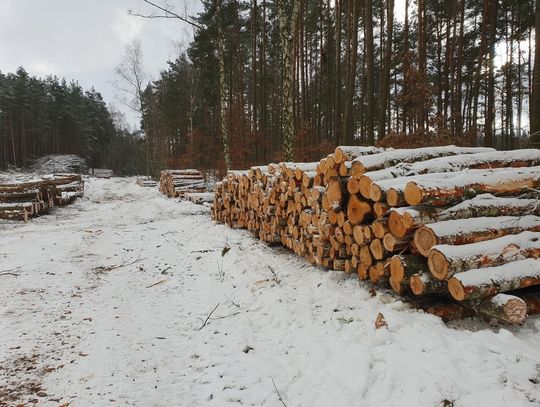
506 308
370 108
499 182
534 114
348 120
490 116
445 261
486 282
466 231
287 22
385 71
222 89
402 220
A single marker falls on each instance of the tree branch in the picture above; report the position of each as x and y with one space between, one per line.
278 393
208 317
168 14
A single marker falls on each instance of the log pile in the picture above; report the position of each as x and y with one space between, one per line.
177 183
441 222
21 199
146 181
200 198
102 173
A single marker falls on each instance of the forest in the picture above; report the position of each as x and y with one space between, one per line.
50 116
266 80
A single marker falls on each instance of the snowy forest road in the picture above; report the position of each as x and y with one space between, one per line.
126 298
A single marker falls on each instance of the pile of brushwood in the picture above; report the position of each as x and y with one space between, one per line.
455 230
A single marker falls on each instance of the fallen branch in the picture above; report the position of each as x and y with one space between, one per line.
156 283
101 269
275 278
8 273
208 317
203 251
278 393
228 315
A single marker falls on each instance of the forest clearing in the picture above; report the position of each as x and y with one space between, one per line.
126 297
279 203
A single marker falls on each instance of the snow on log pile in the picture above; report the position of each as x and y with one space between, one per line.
440 222
177 183
22 197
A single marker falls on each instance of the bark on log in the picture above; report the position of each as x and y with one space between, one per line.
485 160
348 153
390 158
424 284
465 231
467 184
445 260
405 265
487 282
401 220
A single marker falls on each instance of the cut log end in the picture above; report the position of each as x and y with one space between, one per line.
396 268
408 220
392 197
424 240
357 210
456 289
515 311
413 194
417 285
375 193
377 249
363 272
438 265
396 226
353 186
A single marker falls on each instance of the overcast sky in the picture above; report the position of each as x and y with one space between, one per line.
85 39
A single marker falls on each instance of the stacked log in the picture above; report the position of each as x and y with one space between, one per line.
21 199
392 216
200 198
146 181
102 173
177 183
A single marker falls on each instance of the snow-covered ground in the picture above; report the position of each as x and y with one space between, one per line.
108 304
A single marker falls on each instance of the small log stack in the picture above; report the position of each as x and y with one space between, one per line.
177 183
441 222
102 173
200 198
21 199
146 181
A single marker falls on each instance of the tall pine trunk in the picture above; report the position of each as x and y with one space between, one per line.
534 115
490 116
348 132
370 108
385 71
222 89
287 20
